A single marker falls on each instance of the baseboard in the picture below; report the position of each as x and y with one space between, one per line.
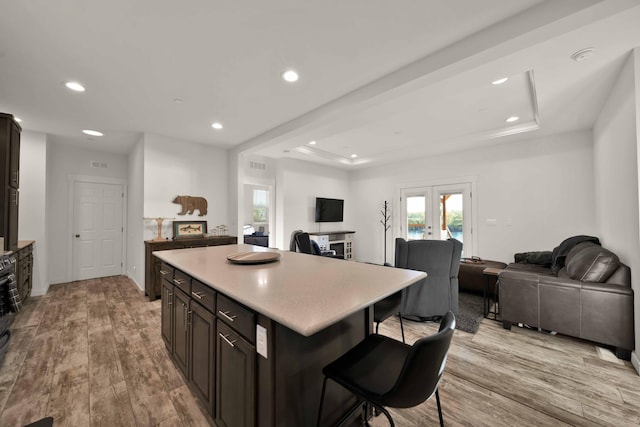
38 292
635 361
130 276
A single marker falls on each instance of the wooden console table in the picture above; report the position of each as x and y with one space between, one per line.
152 282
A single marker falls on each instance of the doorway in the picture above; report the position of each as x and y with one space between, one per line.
97 229
258 212
438 212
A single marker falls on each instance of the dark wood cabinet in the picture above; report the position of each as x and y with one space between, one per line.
9 180
188 327
11 241
166 318
181 308
24 268
152 278
203 351
235 379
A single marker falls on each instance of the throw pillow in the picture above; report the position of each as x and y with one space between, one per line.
588 262
560 252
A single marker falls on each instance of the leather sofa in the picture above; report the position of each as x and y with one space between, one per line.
590 297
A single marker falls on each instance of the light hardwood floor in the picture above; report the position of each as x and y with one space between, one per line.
90 354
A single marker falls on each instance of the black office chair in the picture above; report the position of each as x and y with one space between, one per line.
386 308
305 245
384 372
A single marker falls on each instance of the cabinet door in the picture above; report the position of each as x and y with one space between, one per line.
181 330
12 218
14 157
203 352
235 379
166 318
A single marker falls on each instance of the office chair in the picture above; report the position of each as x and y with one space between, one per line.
386 308
384 372
307 246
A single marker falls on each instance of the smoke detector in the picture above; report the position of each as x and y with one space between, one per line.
582 54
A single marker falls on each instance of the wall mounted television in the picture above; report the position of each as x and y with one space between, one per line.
329 210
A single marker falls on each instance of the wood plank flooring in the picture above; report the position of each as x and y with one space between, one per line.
89 353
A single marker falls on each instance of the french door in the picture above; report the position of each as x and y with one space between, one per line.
437 212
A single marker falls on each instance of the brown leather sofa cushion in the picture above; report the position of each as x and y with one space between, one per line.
589 262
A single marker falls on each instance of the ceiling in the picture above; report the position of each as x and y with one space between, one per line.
379 79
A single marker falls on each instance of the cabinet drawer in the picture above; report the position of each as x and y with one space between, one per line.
204 295
166 272
182 281
241 319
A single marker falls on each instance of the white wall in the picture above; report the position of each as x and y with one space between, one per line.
64 160
135 223
544 186
616 175
173 167
298 184
32 209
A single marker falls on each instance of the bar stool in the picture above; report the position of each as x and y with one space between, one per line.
384 372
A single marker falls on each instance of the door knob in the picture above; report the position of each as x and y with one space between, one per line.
77 236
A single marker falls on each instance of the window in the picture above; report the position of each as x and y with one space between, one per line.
260 206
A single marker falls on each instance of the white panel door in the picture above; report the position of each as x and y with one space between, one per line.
97 228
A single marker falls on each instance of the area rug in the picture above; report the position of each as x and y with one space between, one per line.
470 312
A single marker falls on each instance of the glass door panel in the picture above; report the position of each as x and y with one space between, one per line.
438 212
416 227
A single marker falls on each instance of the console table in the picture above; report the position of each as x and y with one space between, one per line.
339 241
152 283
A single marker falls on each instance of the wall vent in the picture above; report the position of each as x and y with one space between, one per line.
95 164
257 165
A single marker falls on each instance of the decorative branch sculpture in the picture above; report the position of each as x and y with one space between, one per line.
385 221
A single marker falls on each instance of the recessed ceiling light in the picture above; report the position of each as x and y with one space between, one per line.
216 125
290 76
512 119
17 119
312 143
92 132
500 81
353 156
582 54
75 86
177 100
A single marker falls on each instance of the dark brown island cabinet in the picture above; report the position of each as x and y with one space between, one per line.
203 342
152 283
252 340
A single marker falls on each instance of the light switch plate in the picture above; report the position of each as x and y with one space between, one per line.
261 341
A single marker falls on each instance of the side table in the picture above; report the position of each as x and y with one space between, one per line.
488 273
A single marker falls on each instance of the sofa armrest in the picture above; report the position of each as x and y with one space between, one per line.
607 287
519 297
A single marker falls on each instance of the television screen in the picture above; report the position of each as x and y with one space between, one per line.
329 210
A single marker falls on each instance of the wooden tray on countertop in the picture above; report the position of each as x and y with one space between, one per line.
253 257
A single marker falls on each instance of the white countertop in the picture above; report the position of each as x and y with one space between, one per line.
305 293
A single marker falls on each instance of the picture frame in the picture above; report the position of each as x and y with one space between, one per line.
187 229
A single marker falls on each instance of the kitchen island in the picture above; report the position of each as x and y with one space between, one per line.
252 339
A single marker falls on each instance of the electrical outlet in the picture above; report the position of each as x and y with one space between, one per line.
261 341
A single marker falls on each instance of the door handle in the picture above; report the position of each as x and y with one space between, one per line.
77 236
226 338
